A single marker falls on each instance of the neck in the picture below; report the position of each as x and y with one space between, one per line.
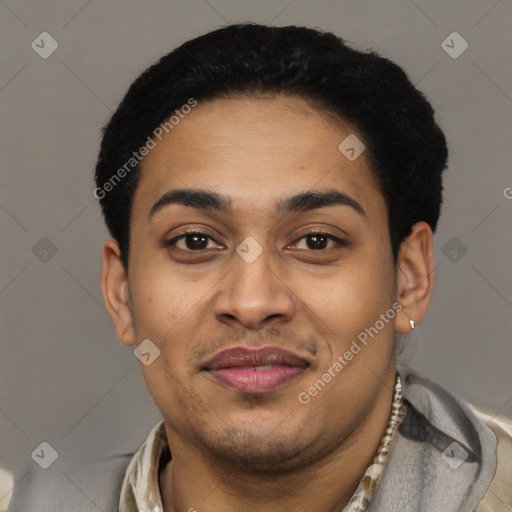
193 481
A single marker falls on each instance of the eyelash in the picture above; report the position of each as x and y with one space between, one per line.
339 241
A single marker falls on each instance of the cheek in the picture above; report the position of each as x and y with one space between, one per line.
170 311
346 306
160 304
348 296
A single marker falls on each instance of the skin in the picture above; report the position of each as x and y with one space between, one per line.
233 451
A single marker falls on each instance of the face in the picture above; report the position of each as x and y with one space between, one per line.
250 296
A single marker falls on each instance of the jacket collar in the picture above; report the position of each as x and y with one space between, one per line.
442 458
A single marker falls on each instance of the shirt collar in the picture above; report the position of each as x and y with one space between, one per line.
140 491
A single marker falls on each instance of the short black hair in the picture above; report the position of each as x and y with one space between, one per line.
406 147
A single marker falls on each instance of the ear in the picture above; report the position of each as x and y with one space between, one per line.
114 284
415 276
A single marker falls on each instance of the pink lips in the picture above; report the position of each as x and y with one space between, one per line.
255 370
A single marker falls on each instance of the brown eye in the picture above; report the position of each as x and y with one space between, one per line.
193 241
318 241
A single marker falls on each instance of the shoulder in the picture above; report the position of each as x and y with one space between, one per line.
498 497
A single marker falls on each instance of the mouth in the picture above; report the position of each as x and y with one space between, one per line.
250 370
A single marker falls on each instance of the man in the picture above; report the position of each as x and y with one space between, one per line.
272 196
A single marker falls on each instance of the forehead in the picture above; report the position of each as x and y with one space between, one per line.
254 149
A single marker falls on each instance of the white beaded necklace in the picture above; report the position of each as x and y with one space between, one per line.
364 492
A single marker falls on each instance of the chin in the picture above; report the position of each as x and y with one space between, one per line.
263 451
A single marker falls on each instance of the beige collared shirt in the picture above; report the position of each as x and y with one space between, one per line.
140 491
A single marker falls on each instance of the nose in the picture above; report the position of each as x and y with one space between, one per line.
253 295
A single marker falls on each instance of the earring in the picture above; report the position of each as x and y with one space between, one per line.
412 324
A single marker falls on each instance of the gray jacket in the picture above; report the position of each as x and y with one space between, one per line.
447 456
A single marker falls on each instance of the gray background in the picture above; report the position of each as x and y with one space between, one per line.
64 378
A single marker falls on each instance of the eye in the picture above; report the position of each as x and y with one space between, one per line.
318 241
191 241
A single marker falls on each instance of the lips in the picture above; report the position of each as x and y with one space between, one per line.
252 370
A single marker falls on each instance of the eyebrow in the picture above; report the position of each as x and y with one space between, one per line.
207 201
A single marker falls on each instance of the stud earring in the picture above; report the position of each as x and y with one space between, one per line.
412 324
